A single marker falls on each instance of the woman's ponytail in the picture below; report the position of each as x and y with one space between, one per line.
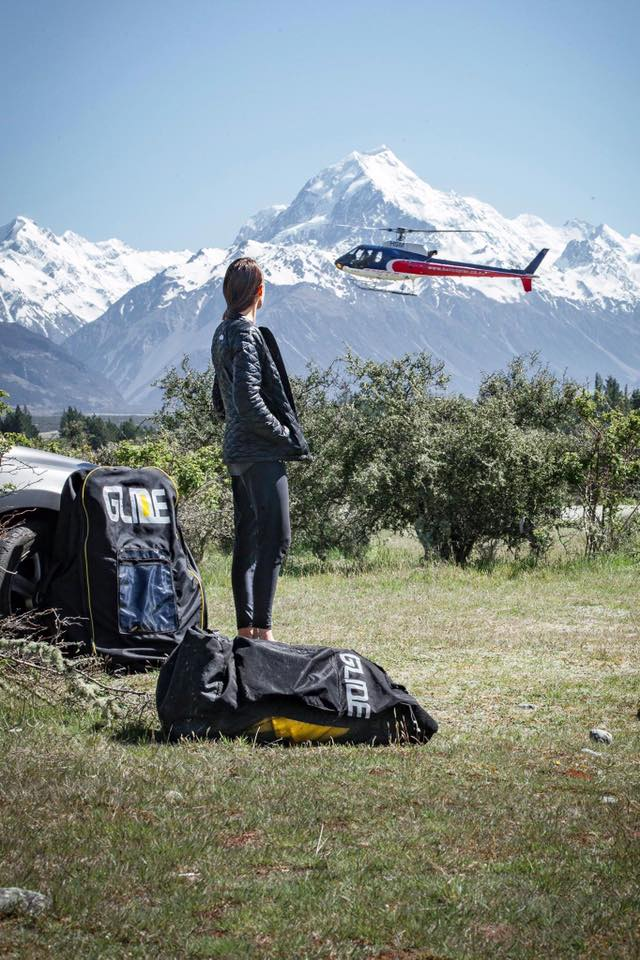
240 286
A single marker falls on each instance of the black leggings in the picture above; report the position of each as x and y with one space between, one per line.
262 538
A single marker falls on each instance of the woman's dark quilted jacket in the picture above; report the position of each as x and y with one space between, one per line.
252 394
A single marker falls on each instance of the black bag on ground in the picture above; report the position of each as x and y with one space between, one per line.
212 686
121 566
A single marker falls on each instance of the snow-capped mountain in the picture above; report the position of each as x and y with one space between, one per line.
583 316
55 284
159 321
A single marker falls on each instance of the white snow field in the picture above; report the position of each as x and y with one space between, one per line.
54 284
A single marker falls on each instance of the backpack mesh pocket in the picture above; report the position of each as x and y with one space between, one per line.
146 595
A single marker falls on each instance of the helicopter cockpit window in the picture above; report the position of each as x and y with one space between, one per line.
359 253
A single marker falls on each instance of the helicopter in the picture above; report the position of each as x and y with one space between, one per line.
400 260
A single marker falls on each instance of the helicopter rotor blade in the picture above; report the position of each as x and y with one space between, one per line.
352 226
412 230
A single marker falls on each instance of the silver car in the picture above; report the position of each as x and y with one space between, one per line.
31 482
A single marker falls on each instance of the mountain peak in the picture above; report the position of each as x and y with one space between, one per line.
372 188
378 165
376 152
19 224
388 173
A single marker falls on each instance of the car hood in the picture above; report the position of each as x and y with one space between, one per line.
31 479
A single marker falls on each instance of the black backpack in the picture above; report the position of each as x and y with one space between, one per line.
213 686
121 568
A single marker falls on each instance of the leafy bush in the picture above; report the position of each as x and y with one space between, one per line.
488 479
392 451
603 470
366 425
186 412
532 395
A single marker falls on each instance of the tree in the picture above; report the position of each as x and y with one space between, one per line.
533 395
4 407
489 479
186 411
634 400
99 431
19 421
79 430
129 430
73 428
604 472
366 423
613 393
609 395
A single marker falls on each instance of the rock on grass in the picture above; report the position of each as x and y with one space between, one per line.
14 900
600 736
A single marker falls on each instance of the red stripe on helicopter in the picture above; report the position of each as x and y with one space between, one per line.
431 269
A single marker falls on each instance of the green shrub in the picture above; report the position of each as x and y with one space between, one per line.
603 470
367 425
488 479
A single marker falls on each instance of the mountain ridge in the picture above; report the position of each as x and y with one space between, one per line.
54 284
583 315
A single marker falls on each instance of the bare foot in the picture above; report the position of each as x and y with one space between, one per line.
248 632
264 634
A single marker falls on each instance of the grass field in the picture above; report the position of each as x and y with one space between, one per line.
500 838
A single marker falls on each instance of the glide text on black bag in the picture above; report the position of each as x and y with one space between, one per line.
212 686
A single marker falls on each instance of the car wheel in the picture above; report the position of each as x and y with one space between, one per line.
25 551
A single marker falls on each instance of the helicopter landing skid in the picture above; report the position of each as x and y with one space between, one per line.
396 293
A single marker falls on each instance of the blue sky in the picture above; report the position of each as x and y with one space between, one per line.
168 124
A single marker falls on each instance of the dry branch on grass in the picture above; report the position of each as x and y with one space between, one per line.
34 668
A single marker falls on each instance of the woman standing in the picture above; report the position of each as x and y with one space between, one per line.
251 392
